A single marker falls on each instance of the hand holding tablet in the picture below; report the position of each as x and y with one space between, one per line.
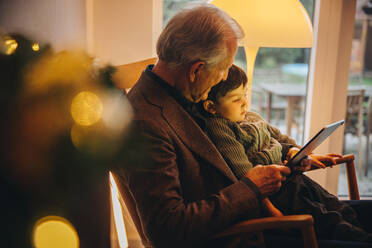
312 144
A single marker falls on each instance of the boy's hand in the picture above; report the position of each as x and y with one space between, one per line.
316 161
291 153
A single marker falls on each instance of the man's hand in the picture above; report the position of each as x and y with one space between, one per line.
268 178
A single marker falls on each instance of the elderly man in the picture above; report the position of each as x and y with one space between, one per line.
185 191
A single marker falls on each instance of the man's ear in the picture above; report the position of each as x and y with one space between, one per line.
195 69
209 106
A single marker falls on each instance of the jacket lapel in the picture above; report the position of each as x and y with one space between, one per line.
186 128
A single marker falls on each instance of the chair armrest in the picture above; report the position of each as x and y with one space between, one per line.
304 222
260 224
350 173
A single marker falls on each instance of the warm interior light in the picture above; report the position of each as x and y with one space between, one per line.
118 214
35 47
269 23
56 232
86 108
10 46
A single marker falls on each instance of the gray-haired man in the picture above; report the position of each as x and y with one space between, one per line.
186 192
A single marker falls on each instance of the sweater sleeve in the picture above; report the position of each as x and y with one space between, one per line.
285 141
224 138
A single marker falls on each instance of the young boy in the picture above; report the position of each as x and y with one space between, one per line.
245 139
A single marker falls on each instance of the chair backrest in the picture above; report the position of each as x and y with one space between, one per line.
355 99
130 204
354 110
127 75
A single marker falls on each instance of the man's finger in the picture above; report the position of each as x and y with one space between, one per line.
284 170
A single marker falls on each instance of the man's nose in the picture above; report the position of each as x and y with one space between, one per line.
245 101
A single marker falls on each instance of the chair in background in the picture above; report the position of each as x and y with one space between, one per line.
368 132
354 121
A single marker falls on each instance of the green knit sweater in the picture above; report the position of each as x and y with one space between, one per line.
249 143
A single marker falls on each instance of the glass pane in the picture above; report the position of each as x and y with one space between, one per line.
279 86
358 119
284 69
170 7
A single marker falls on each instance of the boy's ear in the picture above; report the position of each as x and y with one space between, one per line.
195 69
209 106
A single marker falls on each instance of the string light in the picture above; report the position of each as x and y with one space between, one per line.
86 108
10 46
35 47
55 231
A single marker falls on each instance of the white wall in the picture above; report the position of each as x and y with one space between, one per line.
116 31
328 80
123 31
60 23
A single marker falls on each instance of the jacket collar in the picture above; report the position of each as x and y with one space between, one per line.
184 125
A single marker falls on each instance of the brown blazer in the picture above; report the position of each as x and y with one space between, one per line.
185 192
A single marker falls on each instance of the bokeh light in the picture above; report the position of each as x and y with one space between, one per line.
10 46
56 232
118 112
88 139
35 47
86 108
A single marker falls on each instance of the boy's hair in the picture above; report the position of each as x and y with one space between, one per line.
235 78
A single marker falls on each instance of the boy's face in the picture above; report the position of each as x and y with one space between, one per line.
233 105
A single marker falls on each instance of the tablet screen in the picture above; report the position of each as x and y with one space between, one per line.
314 142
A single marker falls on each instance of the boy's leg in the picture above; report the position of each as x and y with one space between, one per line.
333 218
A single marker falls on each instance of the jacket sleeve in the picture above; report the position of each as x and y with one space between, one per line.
167 218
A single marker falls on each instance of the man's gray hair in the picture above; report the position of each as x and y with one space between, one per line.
197 34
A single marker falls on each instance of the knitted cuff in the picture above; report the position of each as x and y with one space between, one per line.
285 149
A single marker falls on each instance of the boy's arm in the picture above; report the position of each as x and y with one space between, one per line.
230 148
286 141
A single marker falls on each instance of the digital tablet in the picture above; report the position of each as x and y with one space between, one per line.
314 143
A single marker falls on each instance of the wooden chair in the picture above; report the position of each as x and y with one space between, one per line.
368 132
302 222
126 76
257 226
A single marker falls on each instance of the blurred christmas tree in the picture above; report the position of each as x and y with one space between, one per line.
63 125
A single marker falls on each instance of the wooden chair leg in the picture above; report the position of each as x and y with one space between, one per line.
351 175
352 181
308 234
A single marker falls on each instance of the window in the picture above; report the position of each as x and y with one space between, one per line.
358 120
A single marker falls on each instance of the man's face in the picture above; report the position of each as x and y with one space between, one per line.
212 76
233 105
